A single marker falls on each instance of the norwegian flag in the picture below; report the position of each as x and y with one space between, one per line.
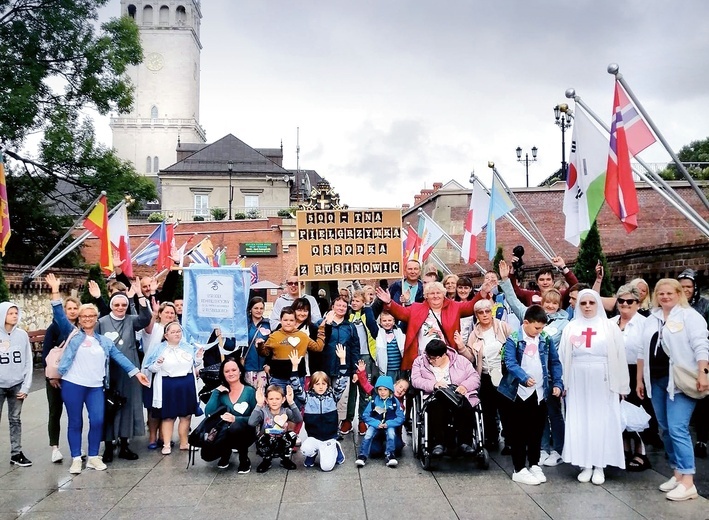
637 133
254 273
620 186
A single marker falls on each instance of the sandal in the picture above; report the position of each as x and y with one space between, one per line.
166 450
639 462
153 446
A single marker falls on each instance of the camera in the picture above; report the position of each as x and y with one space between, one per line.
518 252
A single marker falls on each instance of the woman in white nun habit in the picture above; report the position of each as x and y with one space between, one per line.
592 354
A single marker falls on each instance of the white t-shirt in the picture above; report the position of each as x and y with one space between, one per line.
532 365
491 350
89 366
177 362
428 331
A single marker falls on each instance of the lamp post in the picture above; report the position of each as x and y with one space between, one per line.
526 160
563 116
230 165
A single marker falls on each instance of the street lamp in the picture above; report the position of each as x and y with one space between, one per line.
230 165
526 160
563 116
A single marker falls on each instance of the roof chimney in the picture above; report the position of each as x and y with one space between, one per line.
437 186
405 206
417 199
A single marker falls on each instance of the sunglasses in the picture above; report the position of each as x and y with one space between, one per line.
292 284
588 303
483 311
120 305
629 301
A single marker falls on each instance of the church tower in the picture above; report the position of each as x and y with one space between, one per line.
166 104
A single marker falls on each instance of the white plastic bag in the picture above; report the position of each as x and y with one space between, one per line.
633 418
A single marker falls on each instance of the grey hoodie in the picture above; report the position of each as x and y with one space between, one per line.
15 353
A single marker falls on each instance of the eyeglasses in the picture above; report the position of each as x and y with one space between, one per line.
292 284
484 311
628 302
588 303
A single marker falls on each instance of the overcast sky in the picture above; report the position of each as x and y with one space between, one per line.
394 95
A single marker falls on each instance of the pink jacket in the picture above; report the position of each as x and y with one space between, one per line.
461 373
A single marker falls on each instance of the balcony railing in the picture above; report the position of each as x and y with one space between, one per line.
188 215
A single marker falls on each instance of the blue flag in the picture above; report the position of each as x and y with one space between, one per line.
500 205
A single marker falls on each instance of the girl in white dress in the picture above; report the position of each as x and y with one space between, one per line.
592 354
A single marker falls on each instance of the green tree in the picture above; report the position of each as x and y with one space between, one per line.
695 155
499 255
96 275
590 252
4 290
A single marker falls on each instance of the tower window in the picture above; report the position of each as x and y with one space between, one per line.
148 164
181 15
156 164
131 11
148 15
153 112
164 15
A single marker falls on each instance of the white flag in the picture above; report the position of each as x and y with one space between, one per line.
475 221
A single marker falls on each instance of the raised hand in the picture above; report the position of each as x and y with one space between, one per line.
383 295
504 270
94 289
341 353
557 261
289 394
295 359
599 270
361 366
53 282
260 397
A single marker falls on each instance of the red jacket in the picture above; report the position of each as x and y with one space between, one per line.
415 315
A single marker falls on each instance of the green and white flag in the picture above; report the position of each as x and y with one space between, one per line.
585 182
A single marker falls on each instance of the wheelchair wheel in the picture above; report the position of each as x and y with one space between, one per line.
483 459
425 460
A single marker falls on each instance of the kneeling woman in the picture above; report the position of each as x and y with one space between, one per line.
174 392
239 400
440 367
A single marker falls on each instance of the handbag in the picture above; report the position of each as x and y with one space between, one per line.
54 357
633 418
114 401
685 379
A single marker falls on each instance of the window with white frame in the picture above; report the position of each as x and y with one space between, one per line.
251 202
201 204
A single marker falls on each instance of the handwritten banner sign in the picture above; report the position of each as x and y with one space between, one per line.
349 244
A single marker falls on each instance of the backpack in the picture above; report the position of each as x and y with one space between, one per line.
210 433
55 356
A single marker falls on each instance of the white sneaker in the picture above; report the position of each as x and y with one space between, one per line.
554 459
537 472
669 485
525 477
75 468
95 463
57 455
598 477
585 475
543 455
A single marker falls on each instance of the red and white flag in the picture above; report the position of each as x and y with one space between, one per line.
475 221
637 133
120 241
620 186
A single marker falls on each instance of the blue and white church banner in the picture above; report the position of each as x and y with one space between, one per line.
216 298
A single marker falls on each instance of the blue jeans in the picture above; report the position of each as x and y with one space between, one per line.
14 406
553 436
369 436
75 397
673 417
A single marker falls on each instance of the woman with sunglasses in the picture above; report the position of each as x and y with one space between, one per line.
120 327
292 291
592 353
630 322
84 368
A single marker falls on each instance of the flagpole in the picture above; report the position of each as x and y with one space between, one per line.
197 244
438 260
140 247
519 206
518 225
614 69
455 244
652 179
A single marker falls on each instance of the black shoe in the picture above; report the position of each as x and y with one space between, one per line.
288 464
224 461
264 466
244 466
20 460
437 451
108 454
467 449
127 454
700 450
507 450
408 426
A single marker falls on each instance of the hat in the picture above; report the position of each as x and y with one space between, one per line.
688 274
385 381
321 293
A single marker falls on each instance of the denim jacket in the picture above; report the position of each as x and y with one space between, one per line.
515 376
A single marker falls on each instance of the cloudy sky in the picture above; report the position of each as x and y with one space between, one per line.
394 95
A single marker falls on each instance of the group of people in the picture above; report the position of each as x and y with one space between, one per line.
548 367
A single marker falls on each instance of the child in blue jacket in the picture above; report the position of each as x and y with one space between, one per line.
382 412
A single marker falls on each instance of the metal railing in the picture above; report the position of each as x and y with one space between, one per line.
188 215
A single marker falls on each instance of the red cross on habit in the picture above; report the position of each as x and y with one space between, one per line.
588 333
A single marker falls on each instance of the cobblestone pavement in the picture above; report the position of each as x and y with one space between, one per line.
157 486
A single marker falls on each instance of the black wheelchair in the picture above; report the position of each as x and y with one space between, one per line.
446 402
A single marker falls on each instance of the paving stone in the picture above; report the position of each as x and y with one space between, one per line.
493 506
68 501
152 513
425 506
327 507
165 496
596 503
654 505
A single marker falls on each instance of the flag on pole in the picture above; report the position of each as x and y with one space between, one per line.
412 244
221 260
429 234
500 205
475 221
5 232
180 253
96 223
241 262
637 133
254 273
215 257
620 185
118 233
202 253
585 182
158 249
